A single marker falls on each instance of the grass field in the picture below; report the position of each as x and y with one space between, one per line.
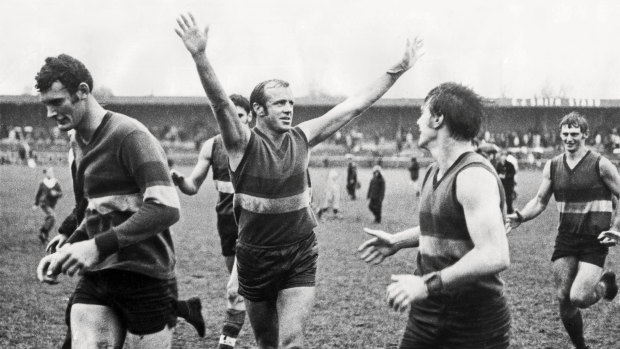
350 310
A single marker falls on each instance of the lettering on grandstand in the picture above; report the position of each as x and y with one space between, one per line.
556 102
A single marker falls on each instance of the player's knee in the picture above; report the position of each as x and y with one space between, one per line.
232 295
563 296
580 300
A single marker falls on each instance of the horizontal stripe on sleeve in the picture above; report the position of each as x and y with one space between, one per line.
163 194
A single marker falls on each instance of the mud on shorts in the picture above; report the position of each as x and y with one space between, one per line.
266 270
228 231
437 323
586 248
144 304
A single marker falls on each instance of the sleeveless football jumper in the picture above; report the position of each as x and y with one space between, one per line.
583 199
272 191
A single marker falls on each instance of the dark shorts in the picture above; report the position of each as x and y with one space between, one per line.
144 304
266 270
228 230
458 324
585 248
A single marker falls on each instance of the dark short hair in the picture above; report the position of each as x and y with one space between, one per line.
574 119
258 94
241 101
460 106
66 69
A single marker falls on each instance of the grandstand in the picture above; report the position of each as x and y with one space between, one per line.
182 123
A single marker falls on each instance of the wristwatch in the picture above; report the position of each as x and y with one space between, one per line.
433 283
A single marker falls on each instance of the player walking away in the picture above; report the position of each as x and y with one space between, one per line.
455 295
506 172
123 247
190 309
277 250
376 193
213 154
583 183
46 198
332 195
414 174
352 183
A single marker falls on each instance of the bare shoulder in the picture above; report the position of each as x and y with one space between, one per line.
206 150
475 184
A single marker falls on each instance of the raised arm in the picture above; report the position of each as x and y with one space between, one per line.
235 134
535 206
321 128
190 185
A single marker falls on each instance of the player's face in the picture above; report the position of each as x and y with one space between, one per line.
243 115
427 133
572 137
66 109
279 109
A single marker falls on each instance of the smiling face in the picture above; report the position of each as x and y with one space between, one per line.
573 138
277 114
66 109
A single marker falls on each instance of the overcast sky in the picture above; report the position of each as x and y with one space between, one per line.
499 48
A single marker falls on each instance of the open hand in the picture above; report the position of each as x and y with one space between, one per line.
177 178
405 289
413 52
375 250
193 37
609 238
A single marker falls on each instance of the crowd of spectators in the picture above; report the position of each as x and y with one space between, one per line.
351 141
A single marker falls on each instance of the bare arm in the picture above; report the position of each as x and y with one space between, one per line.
490 255
611 178
235 134
538 204
190 185
383 245
481 206
321 128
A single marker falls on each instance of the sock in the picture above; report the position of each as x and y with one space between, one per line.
574 327
232 326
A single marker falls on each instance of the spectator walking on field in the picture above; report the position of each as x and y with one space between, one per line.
352 183
506 172
414 174
376 193
332 195
46 198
